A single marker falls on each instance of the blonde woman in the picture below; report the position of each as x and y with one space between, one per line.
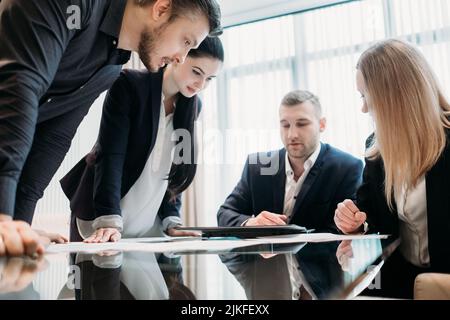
406 183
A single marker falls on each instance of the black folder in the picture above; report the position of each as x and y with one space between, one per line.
247 232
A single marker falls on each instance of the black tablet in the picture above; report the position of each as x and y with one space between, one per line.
247 232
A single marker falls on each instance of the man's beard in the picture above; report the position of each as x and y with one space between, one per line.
147 47
297 154
303 153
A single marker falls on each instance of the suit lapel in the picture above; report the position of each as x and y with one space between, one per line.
310 179
279 184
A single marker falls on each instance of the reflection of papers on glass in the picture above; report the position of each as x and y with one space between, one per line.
156 239
365 282
257 248
176 246
273 248
319 237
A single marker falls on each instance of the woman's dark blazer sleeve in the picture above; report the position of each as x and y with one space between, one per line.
371 199
93 186
112 148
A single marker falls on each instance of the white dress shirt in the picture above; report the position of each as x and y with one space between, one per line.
292 187
412 213
141 203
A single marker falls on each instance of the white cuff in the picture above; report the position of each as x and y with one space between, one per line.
87 228
244 223
171 222
366 227
103 262
112 221
108 262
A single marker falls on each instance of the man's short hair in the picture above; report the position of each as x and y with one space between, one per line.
297 97
209 8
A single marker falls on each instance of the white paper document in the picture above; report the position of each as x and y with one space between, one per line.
198 245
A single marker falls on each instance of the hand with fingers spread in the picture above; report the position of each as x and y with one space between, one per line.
52 237
103 235
17 239
348 218
173 232
266 218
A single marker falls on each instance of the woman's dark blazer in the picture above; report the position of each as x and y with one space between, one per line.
372 201
128 131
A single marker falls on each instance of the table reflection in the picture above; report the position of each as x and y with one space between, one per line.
130 276
299 271
317 271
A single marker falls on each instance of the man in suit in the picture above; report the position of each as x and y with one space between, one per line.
312 177
57 56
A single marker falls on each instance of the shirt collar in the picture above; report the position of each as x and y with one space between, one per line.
309 163
112 22
163 97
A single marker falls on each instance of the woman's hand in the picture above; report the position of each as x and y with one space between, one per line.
348 218
103 235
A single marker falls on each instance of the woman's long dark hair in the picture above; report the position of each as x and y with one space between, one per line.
186 113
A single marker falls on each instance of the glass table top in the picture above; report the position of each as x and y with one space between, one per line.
328 270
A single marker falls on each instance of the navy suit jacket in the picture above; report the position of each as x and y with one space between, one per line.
128 132
334 177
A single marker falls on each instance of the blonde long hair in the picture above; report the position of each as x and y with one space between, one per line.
409 110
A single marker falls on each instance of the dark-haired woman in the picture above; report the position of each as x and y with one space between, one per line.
130 184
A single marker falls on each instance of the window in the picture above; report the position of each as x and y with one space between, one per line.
316 50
